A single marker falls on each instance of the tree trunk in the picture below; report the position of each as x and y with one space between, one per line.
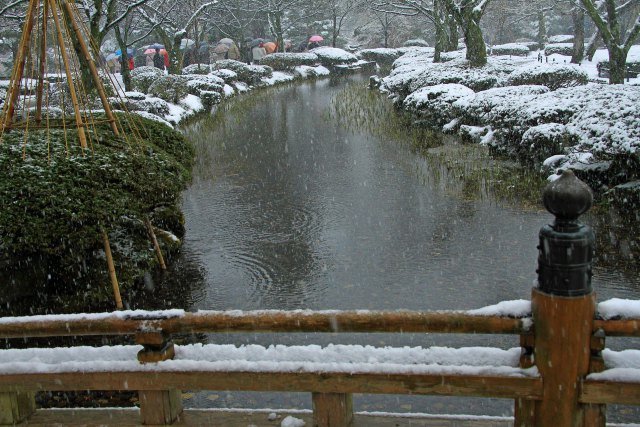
124 59
441 40
476 48
593 45
577 16
334 33
617 64
452 34
541 38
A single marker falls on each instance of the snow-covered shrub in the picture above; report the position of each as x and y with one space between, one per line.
626 197
210 98
227 75
171 88
476 109
250 74
305 71
416 42
559 49
561 38
472 134
406 79
542 141
198 83
153 105
514 49
552 76
382 56
288 61
533 46
197 69
143 77
330 56
633 68
434 103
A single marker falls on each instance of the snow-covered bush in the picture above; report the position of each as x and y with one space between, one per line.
542 141
434 103
330 56
382 56
227 75
514 49
198 82
153 105
416 42
559 49
476 109
143 77
561 38
305 71
250 74
554 76
533 46
197 69
472 134
288 61
171 88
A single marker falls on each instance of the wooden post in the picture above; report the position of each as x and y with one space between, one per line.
596 415
18 70
332 409
112 270
16 407
156 246
157 406
563 305
67 69
43 61
92 68
524 412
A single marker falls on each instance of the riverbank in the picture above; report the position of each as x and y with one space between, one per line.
549 116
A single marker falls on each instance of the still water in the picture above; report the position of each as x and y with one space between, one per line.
298 202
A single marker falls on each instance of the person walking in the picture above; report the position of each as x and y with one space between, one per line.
258 52
158 60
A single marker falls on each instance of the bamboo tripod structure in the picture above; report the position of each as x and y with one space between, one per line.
57 23
57 9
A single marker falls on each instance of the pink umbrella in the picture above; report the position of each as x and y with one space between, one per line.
316 38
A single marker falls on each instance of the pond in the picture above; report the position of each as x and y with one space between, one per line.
319 196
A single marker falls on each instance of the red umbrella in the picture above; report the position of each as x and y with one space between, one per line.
316 38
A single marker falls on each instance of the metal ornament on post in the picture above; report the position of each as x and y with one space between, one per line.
566 247
563 304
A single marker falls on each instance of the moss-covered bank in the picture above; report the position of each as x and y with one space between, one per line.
56 198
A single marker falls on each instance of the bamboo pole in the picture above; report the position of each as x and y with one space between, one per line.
112 270
72 88
19 65
156 246
92 68
43 62
268 321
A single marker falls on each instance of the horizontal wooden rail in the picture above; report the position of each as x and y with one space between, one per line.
610 392
266 321
325 382
618 328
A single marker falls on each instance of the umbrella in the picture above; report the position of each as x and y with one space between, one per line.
256 42
185 43
316 38
270 47
130 52
226 41
153 51
111 57
155 46
221 48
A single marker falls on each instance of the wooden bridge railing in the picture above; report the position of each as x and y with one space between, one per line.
559 376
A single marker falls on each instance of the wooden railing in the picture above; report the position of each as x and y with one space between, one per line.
559 376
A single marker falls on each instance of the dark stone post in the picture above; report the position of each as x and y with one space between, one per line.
563 304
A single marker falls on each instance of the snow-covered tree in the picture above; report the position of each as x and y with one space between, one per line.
468 14
607 20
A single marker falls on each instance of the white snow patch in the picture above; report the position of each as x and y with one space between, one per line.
515 308
619 308
290 421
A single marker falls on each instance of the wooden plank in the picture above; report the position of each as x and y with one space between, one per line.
270 321
326 382
618 328
218 418
332 409
16 407
608 392
159 406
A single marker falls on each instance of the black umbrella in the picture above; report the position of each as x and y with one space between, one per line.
256 42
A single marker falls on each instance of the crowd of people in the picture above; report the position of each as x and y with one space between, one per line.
253 50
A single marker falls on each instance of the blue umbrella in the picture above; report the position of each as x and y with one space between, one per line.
155 46
130 52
